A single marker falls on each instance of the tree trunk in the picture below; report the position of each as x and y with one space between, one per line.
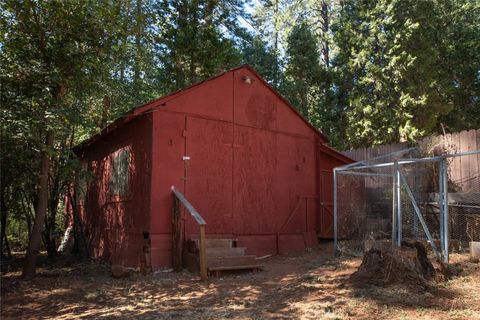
276 76
28 219
325 29
40 210
193 49
3 234
80 244
66 239
138 45
49 233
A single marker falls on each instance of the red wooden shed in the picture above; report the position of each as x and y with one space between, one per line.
253 168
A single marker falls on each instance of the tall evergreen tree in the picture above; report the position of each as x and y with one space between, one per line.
389 57
193 46
302 72
460 62
273 21
364 72
391 70
261 57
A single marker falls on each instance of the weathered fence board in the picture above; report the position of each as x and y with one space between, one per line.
464 171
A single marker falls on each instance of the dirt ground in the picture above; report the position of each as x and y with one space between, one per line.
307 285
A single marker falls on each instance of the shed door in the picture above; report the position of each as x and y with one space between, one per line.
209 173
326 213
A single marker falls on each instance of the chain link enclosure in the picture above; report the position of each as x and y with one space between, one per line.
405 196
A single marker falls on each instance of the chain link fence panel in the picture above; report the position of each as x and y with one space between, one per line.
368 192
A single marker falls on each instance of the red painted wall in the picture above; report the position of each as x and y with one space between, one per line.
327 161
114 226
251 158
257 172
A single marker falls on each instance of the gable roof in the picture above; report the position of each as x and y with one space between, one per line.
150 106
336 154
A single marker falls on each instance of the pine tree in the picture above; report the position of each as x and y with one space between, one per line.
390 84
460 63
261 57
193 46
302 72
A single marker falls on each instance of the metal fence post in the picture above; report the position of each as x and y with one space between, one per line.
394 205
420 217
441 193
335 205
399 205
446 233
415 219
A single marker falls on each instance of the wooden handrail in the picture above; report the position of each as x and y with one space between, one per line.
194 213
177 235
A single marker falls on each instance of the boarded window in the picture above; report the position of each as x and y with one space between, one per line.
119 182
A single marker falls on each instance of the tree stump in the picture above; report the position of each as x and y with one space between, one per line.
388 265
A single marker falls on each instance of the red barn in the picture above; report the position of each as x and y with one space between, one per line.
253 168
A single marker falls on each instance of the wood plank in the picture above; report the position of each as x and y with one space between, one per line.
177 235
190 261
469 143
456 163
464 197
447 145
219 243
202 253
458 197
216 243
226 252
244 267
464 172
477 134
230 261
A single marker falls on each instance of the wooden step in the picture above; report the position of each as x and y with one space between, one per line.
243 267
215 262
225 252
219 243
221 254
216 243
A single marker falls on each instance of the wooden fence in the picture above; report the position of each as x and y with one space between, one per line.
463 171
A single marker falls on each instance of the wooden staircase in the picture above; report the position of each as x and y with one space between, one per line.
204 255
221 254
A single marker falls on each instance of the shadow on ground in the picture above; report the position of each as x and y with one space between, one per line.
310 285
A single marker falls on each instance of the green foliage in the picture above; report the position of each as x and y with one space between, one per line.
386 70
364 72
193 45
396 70
58 66
261 57
461 65
71 67
303 72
